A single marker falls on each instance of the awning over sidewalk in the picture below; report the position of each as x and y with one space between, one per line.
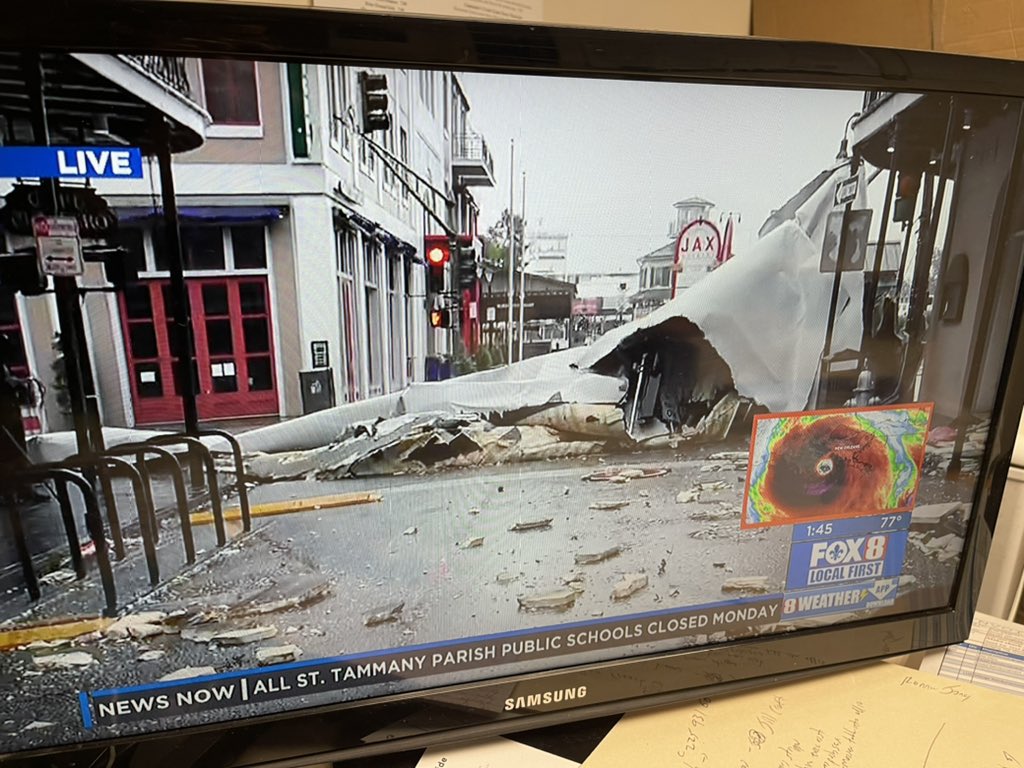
206 214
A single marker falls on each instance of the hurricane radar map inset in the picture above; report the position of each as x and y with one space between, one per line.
822 465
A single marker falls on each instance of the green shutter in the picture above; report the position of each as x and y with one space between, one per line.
297 110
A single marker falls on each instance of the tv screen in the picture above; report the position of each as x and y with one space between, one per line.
411 378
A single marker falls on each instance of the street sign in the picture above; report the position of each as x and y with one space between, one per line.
54 226
58 246
846 191
71 162
855 244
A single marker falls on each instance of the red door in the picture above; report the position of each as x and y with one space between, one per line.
234 349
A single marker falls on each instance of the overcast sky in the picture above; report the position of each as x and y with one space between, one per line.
605 160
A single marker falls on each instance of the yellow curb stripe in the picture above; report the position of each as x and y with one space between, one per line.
290 507
49 632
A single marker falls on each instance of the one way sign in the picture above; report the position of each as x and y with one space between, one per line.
58 246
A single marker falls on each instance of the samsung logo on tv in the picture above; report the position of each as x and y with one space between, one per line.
547 697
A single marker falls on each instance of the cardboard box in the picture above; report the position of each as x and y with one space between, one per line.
981 27
889 23
722 17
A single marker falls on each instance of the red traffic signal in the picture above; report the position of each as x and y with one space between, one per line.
437 249
440 318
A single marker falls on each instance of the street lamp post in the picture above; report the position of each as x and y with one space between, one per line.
522 273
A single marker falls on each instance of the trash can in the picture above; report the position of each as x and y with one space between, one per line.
317 389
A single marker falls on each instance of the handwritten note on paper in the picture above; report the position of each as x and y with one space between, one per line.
992 657
882 715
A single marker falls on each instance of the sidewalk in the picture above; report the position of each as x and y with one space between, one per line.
62 596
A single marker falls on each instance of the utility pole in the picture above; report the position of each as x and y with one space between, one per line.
522 273
511 255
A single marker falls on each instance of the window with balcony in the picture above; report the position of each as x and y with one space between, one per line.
231 93
341 136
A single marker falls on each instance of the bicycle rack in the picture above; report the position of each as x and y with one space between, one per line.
211 472
140 450
240 489
147 516
61 477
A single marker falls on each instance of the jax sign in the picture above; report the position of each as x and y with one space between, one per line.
698 251
71 162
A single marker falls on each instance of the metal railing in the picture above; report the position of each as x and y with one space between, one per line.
127 460
169 70
873 98
471 147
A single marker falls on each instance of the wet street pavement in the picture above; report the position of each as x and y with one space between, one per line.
438 557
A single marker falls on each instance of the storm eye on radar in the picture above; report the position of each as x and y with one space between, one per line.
827 467
816 466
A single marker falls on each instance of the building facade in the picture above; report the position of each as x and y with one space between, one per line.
301 240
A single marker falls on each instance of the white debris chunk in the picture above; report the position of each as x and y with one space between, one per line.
688 497
629 585
278 654
754 584
243 636
36 725
559 599
151 655
476 541
121 628
532 525
187 672
608 505
384 615
411 531
64 660
589 558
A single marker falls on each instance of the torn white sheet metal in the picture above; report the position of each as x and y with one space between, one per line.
418 443
54 447
765 311
546 380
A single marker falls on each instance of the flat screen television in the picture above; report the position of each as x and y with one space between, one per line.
377 381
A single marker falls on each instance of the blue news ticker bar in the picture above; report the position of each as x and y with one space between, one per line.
71 162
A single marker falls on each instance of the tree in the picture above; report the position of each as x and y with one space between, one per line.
499 237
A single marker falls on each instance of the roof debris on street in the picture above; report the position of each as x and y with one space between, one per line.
473 543
278 654
559 599
589 558
186 672
64 660
384 615
625 474
629 585
748 584
532 525
608 505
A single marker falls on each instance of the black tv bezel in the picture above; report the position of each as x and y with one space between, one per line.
320 36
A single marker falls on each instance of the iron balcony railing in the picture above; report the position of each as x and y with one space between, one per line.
169 70
872 98
471 147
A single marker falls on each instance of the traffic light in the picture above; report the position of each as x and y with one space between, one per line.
466 265
440 318
438 252
119 267
907 187
374 94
